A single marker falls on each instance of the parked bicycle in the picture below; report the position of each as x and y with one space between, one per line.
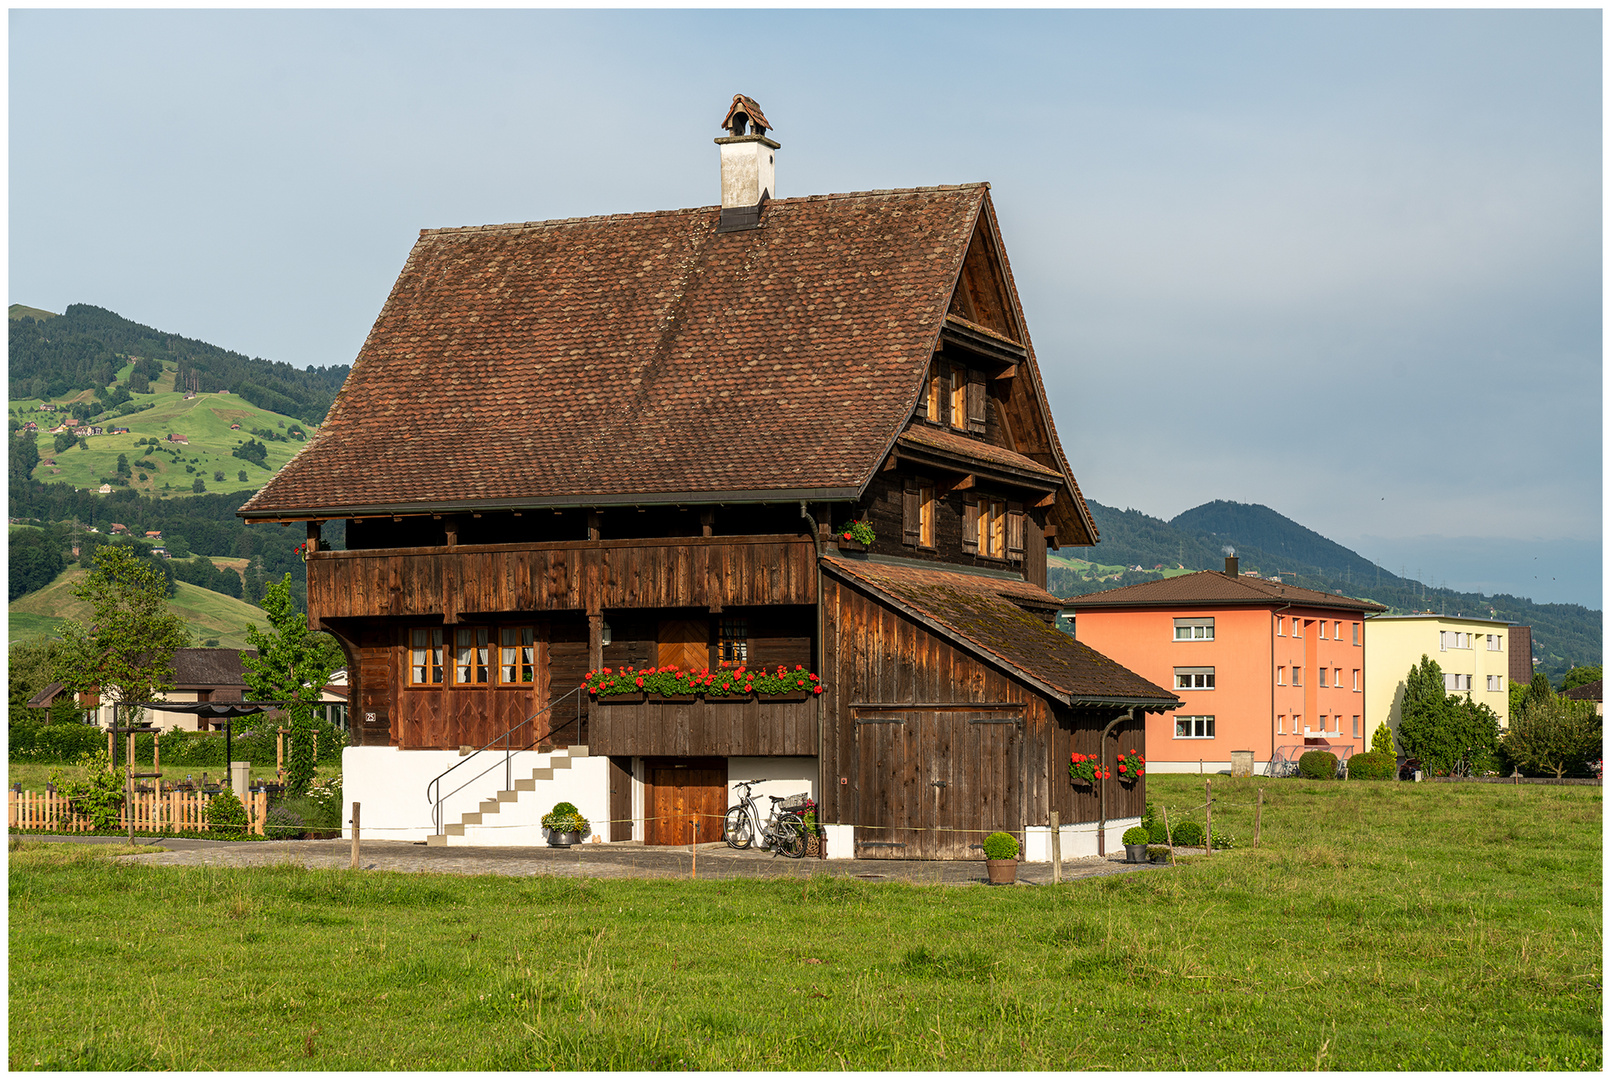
781 832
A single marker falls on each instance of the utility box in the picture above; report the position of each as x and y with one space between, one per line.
239 777
1241 763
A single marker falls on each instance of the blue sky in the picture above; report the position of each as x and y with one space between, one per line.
1344 264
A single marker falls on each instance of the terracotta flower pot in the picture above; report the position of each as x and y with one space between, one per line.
1002 871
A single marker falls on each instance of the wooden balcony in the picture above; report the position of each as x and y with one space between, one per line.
582 575
757 727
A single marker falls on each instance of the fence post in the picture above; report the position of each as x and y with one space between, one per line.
355 807
1208 816
1057 849
1258 817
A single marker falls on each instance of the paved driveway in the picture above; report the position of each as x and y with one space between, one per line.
621 860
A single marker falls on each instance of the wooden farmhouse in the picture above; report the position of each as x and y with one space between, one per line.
638 441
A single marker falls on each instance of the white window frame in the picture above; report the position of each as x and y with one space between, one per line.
1198 727
1323 683
1196 629
1280 675
1496 683
1280 626
1356 633
1356 678
1194 678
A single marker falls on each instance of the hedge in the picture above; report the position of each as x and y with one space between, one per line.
1372 766
1318 765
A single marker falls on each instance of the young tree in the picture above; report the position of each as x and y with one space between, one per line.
1381 741
1440 728
292 666
1555 736
127 649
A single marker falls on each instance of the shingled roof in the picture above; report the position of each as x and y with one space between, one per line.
1212 588
641 358
986 616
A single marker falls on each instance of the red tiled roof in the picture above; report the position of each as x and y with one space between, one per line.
1212 587
600 359
748 108
973 450
1589 691
985 615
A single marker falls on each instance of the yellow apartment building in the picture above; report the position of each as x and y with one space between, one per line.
1473 653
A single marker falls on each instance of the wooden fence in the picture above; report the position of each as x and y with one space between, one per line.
169 811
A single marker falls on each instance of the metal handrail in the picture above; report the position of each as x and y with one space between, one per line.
433 790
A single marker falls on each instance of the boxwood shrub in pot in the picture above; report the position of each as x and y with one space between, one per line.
1318 765
1001 858
1136 835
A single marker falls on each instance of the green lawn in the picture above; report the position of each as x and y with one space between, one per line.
1380 926
207 613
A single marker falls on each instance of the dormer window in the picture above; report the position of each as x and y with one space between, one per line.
959 398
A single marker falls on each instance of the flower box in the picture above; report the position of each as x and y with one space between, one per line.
715 699
800 696
851 545
671 699
620 699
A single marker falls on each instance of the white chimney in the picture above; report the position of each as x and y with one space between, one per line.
748 173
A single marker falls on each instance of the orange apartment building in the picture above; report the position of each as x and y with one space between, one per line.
1259 665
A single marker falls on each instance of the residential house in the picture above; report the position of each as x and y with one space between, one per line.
1260 665
30 426
176 438
1588 692
199 675
153 534
1474 655
636 440
119 527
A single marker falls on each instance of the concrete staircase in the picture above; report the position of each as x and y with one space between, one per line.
511 818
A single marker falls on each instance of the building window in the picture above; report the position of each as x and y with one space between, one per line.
1281 675
732 647
959 397
1194 727
1496 682
1453 682
925 515
1453 639
1297 675
470 655
936 398
1281 724
1194 678
1356 633
516 655
1320 630
1297 627
1297 722
1194 629
1356 678
1322 677
1495 644
425 656
1280 626
1336 677
1356 727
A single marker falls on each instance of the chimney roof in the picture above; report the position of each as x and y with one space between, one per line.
747 106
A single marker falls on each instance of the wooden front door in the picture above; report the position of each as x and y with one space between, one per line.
676 790
932 784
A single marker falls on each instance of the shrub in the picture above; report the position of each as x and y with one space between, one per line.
1381 741
1372 766
1318 765
564 818
1188 833
58 743
283 823
226 816
98 795
1137 834
1000 845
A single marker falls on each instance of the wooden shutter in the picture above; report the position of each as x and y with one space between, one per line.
976 405
1015 532
684 643
911 515
922 411
970 524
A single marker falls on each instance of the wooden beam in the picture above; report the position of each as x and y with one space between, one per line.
1010 372
961 483
891 461
1047 500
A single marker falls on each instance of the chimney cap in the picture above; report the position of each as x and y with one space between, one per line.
745 110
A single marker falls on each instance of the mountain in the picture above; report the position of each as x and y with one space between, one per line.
1564 635
88 348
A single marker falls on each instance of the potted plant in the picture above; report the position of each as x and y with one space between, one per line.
1132 767
816 841
1001 858
1135 843
1086 768
565 825
856 536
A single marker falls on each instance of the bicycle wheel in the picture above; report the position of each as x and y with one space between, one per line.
737 831
789 837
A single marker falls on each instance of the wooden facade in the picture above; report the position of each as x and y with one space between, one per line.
750 727
927 749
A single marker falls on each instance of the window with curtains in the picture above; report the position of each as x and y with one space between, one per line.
425 656
517 655
472 656
470 660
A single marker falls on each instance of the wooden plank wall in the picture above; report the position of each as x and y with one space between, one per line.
700 727
1079 729
574 576
879 655
885 514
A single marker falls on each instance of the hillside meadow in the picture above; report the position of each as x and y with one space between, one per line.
208 614
1379 926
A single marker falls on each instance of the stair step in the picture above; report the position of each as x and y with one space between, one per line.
509 796
454 830
469 819
434 840
560 763
526 785
541 774
491 806
579 752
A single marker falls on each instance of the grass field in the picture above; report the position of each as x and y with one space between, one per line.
1380 926
208 614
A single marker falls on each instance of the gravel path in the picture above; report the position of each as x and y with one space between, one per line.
623 860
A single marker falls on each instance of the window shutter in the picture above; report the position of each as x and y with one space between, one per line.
922 412
911 512
970 524
1015 532
976 406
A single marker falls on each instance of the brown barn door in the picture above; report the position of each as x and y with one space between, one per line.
933 784
677 789
684 643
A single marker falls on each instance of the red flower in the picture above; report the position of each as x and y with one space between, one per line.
640 682
816 689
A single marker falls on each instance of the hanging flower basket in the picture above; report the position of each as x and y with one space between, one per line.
1132 767
1086 768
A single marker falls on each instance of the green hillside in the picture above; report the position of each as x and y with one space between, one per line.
208 614
1564 635
23 311
170 469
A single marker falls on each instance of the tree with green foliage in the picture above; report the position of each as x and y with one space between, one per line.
1555 736
199 486
292 666
1442 728
24 456
30 667
1381 740
1581 675
126 651
123 468
33 560
1538 689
